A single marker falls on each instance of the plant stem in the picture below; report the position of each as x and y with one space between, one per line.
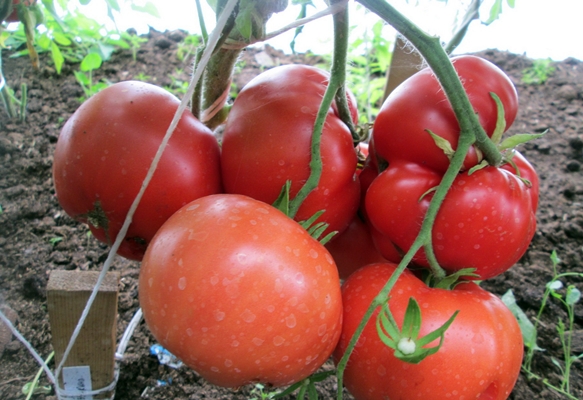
335 89
471 132
438 60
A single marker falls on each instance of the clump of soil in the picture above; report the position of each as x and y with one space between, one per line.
37 237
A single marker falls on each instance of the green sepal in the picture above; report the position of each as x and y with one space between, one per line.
282 201
500 119
412 321
392 336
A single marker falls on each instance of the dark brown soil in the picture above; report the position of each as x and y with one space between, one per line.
31 219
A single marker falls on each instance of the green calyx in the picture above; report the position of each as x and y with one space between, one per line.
406 343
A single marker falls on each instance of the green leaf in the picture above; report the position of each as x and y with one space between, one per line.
148 8
495 12
57 57
573 295
61 39
90 62
82 78
529 333
84 2
44 42
500 119
514 140
555 258
442 143
113 4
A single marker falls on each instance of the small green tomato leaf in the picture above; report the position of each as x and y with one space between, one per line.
529 333
500 120
442 143
514 140
573 295
90 62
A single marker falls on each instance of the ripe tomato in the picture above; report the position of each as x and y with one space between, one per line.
105 150
486 221
241 293
480 357
267 141
419 104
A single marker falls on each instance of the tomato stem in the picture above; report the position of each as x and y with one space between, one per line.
471 132
438 60
335 89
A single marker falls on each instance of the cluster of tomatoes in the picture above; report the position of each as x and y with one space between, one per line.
243 293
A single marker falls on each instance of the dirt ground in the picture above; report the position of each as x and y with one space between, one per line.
37 237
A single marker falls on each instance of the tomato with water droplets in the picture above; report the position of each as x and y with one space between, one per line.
480 357
241 293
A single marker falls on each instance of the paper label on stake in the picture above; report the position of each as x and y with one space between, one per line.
77 380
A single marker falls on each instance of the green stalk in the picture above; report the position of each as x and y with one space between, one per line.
436 57
334 90
471 132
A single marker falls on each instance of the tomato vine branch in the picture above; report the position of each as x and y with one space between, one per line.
333 90
471 132
438 60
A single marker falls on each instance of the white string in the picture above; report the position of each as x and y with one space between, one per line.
213 40
333 9
28 346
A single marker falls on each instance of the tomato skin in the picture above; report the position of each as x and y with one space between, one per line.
105 150
486 221
353 248
267 141
241 293
419 104
480 358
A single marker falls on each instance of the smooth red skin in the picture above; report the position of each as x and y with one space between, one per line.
353 248
105 150
419 104
267 141
241 293
486 221
480 357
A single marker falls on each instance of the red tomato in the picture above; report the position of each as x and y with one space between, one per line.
353 248
486 221
105 150
241 293
267 141
480 357
13 16
419 104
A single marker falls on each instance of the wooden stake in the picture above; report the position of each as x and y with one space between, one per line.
404 63
67 295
